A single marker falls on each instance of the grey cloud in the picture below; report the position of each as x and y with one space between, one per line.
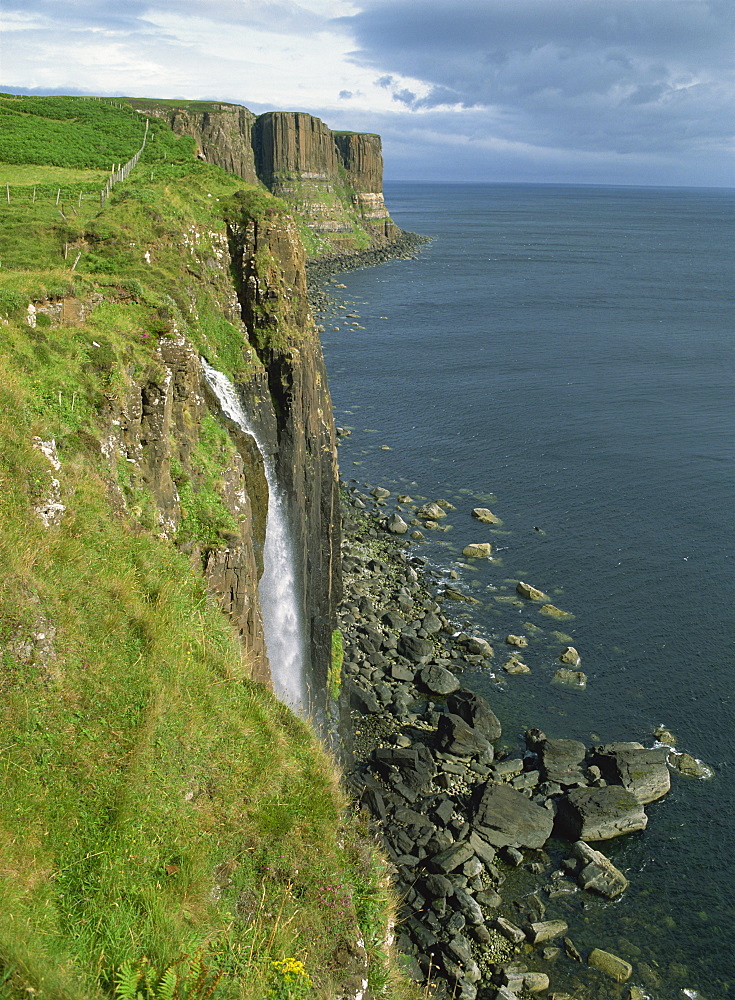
616 75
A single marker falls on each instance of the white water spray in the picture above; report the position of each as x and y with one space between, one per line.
278 591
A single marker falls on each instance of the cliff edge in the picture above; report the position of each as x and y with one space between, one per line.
332 181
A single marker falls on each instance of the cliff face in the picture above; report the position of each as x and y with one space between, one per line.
332 180
269 266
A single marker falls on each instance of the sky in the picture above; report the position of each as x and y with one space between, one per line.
542 91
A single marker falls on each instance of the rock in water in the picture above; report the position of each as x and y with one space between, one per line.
532 593
617 968
598 873
432 511
396 525
570 678
689 766
571 656
600 813
643 772
520 641
485 515
505 817
477 550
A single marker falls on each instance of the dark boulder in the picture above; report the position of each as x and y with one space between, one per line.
643 772
562 761
476 713
438 679
414 649
504 816
599 813
455 736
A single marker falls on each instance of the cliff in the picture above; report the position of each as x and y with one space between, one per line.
163 811
333 181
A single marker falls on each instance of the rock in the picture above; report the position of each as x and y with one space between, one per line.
532 593
600 813
617 968
546 930
643 772
415 765
476 712
517 640
396 525
535 982
664 735
476 646
485 515
438 680
561 761
509 930
414 649
469 906
361 699
571 656
570 678
438 886
432 511
689 766
477 550
451 858
504 816
379 493
598 873
554 612
571 950
516 666
455 736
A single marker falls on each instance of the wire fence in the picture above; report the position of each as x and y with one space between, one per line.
82 190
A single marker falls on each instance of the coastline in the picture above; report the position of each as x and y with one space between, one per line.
486 911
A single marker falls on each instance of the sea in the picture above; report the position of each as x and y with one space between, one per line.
563 355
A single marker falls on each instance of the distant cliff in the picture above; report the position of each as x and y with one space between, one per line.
333 181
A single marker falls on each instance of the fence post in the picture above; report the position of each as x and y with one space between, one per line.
58 195
34 196
7 191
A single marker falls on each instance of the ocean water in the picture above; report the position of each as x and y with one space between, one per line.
564 356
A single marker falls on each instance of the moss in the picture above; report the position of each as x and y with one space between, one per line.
334 678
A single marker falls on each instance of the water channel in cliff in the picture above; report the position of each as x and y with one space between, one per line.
279 602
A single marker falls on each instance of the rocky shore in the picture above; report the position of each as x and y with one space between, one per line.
403 247
488 849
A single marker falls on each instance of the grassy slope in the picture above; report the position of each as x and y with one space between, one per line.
155 802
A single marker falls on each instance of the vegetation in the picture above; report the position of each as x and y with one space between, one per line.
159 811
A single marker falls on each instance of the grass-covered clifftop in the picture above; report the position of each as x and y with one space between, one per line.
159 809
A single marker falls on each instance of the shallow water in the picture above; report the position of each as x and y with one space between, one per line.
564 356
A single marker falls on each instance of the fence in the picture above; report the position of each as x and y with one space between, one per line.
118 173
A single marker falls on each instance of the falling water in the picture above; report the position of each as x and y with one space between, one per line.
278 592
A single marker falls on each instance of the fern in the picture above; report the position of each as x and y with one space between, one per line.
126 982
193 981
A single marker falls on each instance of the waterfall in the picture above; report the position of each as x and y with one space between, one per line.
277 588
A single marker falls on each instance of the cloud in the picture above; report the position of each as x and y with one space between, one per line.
622 75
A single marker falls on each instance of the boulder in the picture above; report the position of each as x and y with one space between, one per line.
509 930
413 765
504 816
599 813
516 666
554 612
532 593
546 930
517 640
643 772
570 678
432 511
476 646
414 649
438 679
451 858
689 766
598 873
380 493
571 656
562 760
617 968
485 516
477 550
476 712
457 737
396 525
